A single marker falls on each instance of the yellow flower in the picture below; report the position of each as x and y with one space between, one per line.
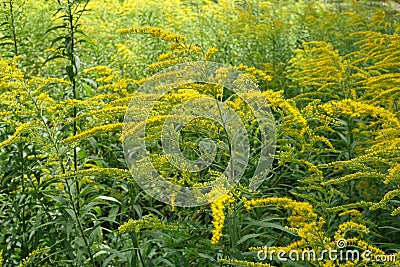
102 70
149 223
302 212
210 53
353 212
29 259
165 35
217 208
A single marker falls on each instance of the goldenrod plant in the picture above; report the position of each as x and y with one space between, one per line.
329 71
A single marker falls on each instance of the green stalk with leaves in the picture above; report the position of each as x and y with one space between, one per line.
69 13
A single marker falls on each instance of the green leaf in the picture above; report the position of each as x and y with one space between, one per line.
6 43
270 225
149 262
52 58
71 214
70 72
108 199
203 255
56 40
247 237
6 37
77 63
55 28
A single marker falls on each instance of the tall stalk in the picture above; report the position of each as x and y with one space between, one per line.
13 28
71 13
72 71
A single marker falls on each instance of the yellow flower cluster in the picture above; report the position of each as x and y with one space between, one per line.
210 53
24 127
294 115
164 35
165 56
180 52
393 175
354 176
135 6
302 212
166 63
103 129
366 246
379 80
107 112
110 172
360 204
357 109
29 259
11 77
255 74
217 208
110 80
310 234
348 226
126 51
353 212
54 51
330 263
102 70
147 223
91 102
319 65
386 198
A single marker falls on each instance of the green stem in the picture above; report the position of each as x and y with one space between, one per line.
351 139
71 55
24 246
74 209
13 29
135 241
350 151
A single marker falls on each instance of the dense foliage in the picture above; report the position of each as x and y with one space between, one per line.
68 70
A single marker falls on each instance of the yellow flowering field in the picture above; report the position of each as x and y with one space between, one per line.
199 133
